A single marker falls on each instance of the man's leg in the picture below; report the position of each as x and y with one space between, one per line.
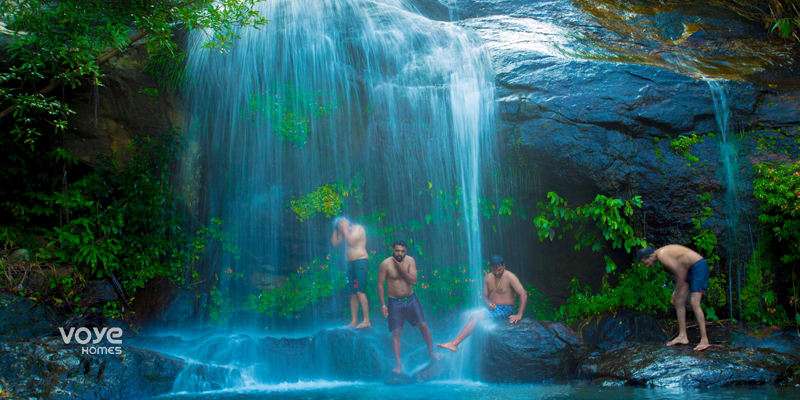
362 298
426 334
679 300
353 310
468 328
398 368
694 302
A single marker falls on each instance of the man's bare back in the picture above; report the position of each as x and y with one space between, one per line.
677 259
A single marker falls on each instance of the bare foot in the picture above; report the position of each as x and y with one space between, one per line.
363 324
702 346
678 340
449 346
351 325
435 356
398 369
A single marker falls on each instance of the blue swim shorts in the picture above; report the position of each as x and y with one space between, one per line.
698 277
501 311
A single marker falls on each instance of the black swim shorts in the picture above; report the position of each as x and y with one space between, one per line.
357 275
404 309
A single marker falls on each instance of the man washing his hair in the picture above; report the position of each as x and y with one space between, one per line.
355 238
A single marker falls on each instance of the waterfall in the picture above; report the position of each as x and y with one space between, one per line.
360 92
728 158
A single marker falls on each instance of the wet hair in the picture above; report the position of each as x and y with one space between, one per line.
336 222
643 253
399 243
496 260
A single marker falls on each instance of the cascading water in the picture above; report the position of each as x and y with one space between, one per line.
366 93
728 157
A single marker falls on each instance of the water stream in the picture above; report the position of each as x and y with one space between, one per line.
365 97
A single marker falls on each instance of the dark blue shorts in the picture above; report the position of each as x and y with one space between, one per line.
501 311
357 275
698 277
404 309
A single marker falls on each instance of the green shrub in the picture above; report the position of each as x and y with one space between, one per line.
640 288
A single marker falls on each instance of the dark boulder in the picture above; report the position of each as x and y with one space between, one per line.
780 340
58 371
349 354
22 318
607 330
680 366
531 351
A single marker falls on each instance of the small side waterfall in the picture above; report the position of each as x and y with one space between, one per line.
728 157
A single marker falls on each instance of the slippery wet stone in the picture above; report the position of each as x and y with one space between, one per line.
606 330
58 371
23 318
531 351
680 366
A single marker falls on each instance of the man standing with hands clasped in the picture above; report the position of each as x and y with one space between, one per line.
400 274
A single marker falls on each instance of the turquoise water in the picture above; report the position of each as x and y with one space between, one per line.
478 390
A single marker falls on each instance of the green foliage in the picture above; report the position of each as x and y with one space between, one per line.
604 220
705 240
759 300
327 199
120 220
66 41
539 306
292 111
640 288
444 288
682 146
310 284
777 187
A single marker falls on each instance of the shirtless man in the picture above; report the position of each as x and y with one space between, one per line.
691 278
400 274
499 299
357 266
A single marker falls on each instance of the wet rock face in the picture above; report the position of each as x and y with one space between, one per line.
349 354
58 371
22 318
585 125
531 351
607 330
782 340
680 366
130 103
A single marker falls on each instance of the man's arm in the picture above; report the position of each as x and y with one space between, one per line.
523 299
355 233
336 238
486 299
381 280
409 275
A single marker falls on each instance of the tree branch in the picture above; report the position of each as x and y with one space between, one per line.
100 60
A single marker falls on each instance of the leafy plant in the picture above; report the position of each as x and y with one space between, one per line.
66 42
604 220
777 187
326 199
308 285
641 288
682 145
